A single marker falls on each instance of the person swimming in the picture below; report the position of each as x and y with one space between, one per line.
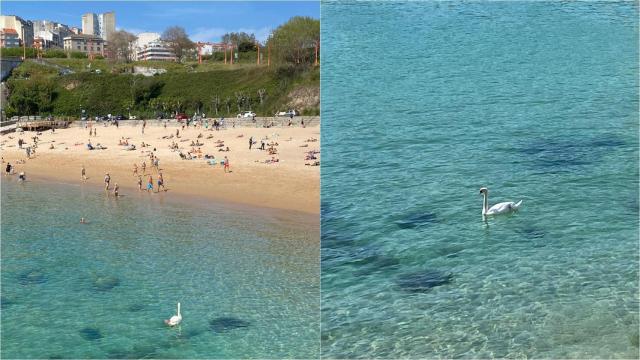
83 221
22 176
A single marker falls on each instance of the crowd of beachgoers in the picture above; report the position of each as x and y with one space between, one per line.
151 149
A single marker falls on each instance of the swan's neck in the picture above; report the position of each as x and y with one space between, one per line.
485 203
179 309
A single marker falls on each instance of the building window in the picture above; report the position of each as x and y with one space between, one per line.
85 48
78 47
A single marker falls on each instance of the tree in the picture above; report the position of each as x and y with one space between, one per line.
296 40
261 95
227 103
243 41
30 97
121 45
178 40
215 103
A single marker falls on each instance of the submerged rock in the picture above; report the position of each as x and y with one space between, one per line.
330 239
416 220
381 263
105 283
136 307
531 232
90 334
5 302
34 276
423 281
223 324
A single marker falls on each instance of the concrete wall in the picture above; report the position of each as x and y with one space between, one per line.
7 65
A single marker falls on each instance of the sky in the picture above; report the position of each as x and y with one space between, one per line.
202 20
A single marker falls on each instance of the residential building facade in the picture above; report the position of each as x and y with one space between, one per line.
88 44
24 28
9 38
209 48
51 32
48 39
102 25
155 50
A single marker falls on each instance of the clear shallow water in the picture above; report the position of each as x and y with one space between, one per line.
102 290
424 103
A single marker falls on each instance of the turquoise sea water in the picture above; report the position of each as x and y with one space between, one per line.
423 104
247 281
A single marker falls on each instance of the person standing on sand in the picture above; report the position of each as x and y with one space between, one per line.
115 189
250 142
139 182
84 173
160 182
107 179
150 184
144 124
135 169
95 132
144 167
226 165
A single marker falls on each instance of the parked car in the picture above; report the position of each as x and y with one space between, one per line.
121 117
182 117
246 114
133 117
287 113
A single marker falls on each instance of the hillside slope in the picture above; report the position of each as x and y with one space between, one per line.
40 90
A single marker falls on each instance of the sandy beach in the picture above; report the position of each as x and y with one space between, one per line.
253 179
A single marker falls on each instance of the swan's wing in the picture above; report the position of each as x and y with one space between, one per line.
502 207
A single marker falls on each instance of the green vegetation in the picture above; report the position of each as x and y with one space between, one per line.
215 89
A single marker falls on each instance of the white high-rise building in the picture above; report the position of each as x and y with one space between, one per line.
102 25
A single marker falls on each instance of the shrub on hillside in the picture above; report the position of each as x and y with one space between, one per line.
77 55
55 53
17 52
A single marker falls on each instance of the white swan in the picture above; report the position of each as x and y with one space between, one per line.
501 208
175 319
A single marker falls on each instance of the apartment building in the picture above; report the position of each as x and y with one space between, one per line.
23 28
102 25
9 38
88 44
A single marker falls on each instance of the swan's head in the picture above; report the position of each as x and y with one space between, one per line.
483 190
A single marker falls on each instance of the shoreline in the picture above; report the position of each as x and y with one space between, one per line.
287 185
297 221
